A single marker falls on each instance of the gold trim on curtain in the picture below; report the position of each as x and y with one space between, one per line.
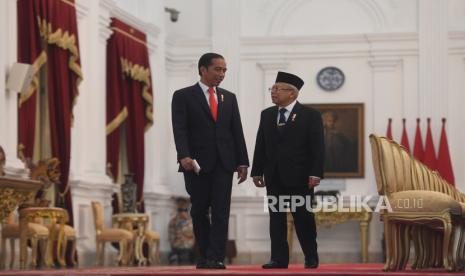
128 35
67 42
37 65
117 121
62 40
142 74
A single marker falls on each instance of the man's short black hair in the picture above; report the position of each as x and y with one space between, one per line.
206 60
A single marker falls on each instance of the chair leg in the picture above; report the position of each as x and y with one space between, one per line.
445 245
12 253
3 254
74 253
461 247
98 251
387 242
123 255
454 247
150 256
157 252
405 245
102 253
62 252
34 242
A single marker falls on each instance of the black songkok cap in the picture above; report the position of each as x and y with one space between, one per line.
290 79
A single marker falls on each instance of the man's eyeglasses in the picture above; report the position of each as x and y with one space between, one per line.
278 90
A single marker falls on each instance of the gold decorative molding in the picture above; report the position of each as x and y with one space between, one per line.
10 199
329 219
14 192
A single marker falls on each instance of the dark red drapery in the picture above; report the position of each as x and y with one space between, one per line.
48 38
129 98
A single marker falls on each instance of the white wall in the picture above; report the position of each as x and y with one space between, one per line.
401 58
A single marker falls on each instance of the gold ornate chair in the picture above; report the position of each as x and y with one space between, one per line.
55 217
151 237
103 235
47 171
426 210
36 233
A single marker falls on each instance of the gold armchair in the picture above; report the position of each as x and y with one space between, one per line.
103 235
426 210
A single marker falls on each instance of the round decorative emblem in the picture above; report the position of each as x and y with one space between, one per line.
330 78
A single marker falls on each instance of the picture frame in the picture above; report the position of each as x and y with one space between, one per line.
344 139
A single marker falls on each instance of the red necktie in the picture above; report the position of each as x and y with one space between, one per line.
213 103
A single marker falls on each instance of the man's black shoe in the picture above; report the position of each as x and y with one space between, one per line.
274 264
215 265
202 265
312 263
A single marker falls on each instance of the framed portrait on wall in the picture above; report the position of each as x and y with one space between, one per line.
344 139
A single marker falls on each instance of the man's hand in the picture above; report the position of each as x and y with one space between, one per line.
258 181
313 181
241 174
187 164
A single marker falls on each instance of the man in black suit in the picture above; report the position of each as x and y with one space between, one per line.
289 153
208 135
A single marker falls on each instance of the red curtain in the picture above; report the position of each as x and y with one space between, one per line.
129 99
48 38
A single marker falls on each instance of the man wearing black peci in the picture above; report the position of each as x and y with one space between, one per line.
289 153
210 147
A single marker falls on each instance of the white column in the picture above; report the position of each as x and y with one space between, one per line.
387 93
88 162
270 70
156 139
4 66
433 62
88 178
9 102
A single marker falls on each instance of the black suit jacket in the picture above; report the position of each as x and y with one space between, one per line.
198 136
296 151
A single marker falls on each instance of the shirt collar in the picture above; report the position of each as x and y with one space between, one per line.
205 87
290 106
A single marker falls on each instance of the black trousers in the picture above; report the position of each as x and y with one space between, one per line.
304 222
210 195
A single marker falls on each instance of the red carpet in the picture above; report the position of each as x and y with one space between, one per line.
324 269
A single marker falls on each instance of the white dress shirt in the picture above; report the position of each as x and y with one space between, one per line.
288 110
206 93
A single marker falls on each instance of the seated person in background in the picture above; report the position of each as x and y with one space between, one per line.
181 235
